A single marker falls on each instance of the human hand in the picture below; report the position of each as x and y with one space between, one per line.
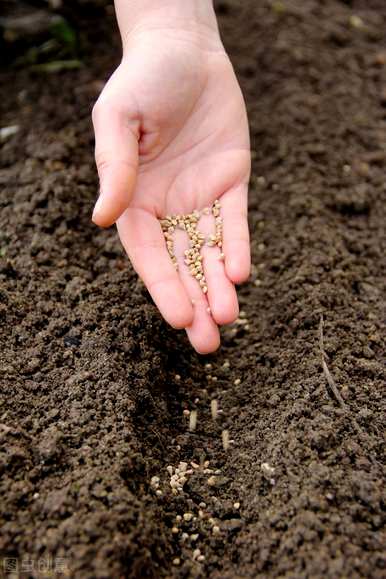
171 137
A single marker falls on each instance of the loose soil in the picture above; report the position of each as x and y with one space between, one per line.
91 407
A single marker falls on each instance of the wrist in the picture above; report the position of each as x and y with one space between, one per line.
193 18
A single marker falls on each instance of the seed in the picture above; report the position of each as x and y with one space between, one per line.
194 537
177 377
237 382
202 505
236 505
212 481
174 530
188 517
193 420
196 553
201 558
197 239
176 561
158 493
186 412
267 468
215 530
225 439
214 408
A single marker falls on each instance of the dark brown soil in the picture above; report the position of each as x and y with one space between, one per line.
90 405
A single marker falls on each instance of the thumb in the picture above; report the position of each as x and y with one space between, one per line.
116 156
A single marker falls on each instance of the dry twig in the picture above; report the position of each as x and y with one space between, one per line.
327 373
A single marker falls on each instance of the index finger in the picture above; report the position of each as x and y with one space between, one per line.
142 238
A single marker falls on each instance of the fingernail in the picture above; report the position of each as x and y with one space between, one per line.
97 206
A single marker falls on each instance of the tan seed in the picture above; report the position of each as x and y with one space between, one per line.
225 439
214 408
193 420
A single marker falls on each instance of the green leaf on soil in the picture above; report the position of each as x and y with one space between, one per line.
57 66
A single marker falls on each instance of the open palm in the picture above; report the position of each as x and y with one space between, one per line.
171 137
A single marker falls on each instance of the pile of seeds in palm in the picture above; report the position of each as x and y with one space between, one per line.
189 222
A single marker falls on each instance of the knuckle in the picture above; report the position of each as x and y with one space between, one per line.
102 159
103 108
